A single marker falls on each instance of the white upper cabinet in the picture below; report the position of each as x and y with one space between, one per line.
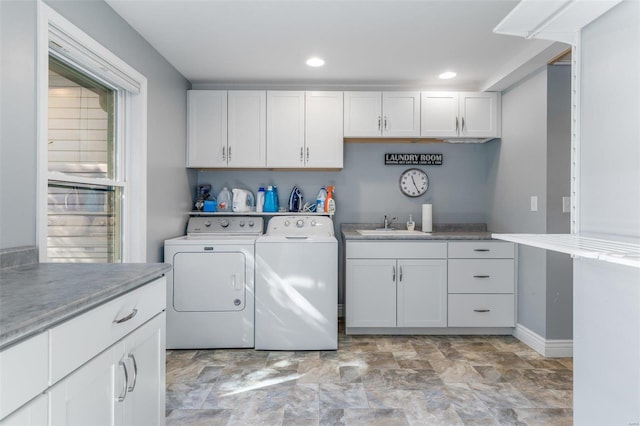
324 130
285 129
207 128
381 114
246 143
460 115
304 129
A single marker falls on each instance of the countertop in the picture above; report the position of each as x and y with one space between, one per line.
35 297
447 231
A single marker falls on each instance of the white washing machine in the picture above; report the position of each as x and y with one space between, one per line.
297 285
210 290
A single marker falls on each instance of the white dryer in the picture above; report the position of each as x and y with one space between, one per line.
210 289
297 285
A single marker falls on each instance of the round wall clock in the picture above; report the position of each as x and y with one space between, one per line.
414 182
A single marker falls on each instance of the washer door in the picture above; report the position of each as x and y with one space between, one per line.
209 282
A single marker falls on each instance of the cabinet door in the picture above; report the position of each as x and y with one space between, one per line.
479 115
207 128
145 401
34 413
324 129
422 293
362 114
439 114
401 114
371 293
246 146
89 396
285 129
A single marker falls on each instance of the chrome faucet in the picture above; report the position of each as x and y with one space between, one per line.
388 222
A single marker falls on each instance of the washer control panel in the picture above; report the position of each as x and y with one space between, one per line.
300 225
227 225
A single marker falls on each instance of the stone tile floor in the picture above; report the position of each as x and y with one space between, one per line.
373 380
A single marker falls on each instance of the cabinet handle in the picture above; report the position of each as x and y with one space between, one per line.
135 372
307 153
133 313
462 129
482 249
301 154
385 122
224 153
123 395
400 274
394 274
482 276
456 124
481 310
379 123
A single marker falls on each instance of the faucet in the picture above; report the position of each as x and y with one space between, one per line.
388 222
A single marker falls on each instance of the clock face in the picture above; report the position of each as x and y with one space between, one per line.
414 182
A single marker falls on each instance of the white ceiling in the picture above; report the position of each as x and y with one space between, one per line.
397 43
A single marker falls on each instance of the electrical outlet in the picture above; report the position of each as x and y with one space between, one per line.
566 204
534 203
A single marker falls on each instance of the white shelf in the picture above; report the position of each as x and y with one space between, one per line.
201 213
607 248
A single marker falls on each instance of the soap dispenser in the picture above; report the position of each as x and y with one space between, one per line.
411 225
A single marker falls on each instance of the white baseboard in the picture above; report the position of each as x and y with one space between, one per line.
546 348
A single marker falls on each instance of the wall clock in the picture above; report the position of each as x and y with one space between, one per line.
414 182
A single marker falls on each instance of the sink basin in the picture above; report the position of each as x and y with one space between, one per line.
390 232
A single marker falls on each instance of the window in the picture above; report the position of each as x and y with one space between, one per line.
92 149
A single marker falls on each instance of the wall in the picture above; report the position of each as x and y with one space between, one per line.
607 296
518 171
366 189
17 123
168 182
533 158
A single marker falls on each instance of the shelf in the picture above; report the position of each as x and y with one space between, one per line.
607 248
201 213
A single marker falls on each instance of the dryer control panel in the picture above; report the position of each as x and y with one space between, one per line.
225 225
300 225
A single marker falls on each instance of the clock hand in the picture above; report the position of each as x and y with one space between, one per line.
414 183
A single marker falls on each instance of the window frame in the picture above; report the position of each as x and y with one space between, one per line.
131 129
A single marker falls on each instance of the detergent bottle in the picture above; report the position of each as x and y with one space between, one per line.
225 200
330 202
320 199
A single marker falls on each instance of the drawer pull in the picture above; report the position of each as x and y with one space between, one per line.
127 318
481 310
123 395
482 276
482 249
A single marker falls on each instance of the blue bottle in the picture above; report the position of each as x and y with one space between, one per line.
277 199
269 201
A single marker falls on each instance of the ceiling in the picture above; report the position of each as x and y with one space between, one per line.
398 43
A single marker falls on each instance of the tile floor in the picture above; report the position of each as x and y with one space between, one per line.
373 380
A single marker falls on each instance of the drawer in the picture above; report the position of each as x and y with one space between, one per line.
481 250
481 276
78 340
481 310
396 250
23 372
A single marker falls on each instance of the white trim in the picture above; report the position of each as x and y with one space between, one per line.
119 73
575 136
547 348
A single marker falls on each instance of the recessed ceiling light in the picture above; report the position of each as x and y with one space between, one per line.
315 62
447 75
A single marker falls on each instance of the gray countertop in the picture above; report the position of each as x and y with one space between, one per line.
35 297
448 231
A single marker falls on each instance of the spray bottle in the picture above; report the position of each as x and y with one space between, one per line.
330 202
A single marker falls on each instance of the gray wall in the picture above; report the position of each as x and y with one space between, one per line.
607 296
168 182
366 189
533 158
519 171
17 123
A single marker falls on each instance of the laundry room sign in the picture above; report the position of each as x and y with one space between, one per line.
413 159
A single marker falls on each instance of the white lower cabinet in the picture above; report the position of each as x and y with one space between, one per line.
396 292
34 413
124 385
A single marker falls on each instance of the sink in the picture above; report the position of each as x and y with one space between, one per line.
388 231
